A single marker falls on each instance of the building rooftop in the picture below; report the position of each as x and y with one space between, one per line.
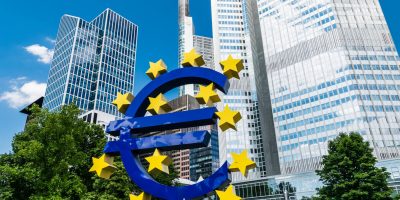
26 110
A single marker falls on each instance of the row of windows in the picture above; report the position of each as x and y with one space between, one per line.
336 92
231 34
231 29
380 108
378 97
330 28
323 22
308 121
314 109
373 48
368 67
229 17
311 99
232 47
338 102
230 23
296 145
318 15
375 77
229 11
312 9
375 57
231 41
320 129
332 126
239 93
82 103
343 79
374 87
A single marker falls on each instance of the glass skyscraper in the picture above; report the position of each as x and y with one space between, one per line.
92 62
321 67
231 37
332 67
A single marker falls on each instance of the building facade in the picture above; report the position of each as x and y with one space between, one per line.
188 40
326 67
202 161
191 164
332 67
204 46
198 162
92 62
231 37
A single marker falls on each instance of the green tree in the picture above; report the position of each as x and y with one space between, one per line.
349 171
51 159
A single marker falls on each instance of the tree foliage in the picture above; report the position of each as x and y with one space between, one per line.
349 171
51 159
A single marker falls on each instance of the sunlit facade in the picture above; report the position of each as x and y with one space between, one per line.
187 40
92 62
231 37
332 67
200 162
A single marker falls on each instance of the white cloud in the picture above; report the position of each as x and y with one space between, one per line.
51 40
43 53
23 92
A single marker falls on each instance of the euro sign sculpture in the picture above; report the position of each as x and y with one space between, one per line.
151 99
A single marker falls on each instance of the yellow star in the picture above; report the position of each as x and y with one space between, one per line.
192 59
229 194
103 166
242 163
158 105
207 95
158 162
123 101
156 69
228 118
231 67
142 196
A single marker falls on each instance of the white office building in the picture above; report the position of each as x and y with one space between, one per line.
321 67
330 66
188 40
231 37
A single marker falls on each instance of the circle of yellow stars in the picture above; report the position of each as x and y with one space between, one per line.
228 118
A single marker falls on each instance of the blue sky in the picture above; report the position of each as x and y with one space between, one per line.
28 30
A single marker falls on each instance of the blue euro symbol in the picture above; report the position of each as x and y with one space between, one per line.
134 121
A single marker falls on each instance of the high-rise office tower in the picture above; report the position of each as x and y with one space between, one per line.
331 67
203 161
325 66
92 62
231 37
188 40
